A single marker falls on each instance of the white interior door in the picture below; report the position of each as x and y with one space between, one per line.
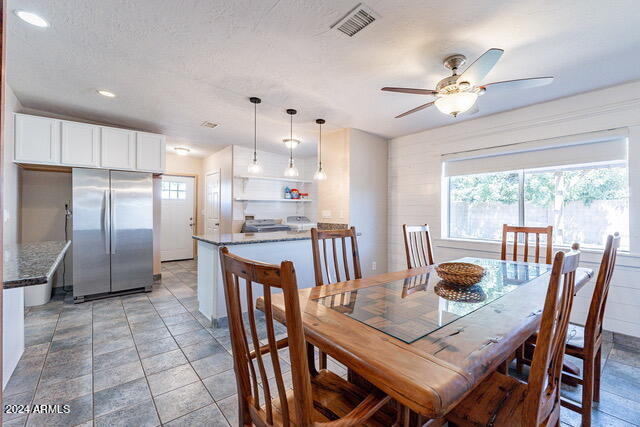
177 217
212 206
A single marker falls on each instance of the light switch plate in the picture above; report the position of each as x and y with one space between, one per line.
326 214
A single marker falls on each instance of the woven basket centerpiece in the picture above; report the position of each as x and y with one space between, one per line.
460 273
470 294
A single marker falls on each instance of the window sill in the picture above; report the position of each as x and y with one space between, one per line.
591 255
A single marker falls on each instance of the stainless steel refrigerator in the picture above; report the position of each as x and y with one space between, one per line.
112 239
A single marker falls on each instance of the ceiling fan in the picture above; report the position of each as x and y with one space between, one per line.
458 93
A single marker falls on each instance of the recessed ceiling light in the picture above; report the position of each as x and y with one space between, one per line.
31 18
182 151
106 93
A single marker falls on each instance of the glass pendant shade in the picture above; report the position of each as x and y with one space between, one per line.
254 167
456 103
320 175
291 171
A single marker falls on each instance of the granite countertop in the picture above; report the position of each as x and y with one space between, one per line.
28 264
220 239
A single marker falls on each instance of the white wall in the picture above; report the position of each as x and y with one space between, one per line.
273 165
43 196
11 173
415 181
368 156
333 193
12 299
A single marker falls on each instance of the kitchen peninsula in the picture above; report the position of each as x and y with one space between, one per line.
28 268
272 247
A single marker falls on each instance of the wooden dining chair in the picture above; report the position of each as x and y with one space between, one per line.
588 345
526 231
334 267
501 400
324 399
417 245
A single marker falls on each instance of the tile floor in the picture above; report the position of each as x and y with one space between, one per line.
152 359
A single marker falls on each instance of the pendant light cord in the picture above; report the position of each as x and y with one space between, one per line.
320 148
291 141
255 132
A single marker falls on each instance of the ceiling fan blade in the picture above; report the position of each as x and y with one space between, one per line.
477 71
520 83
409 90
421 107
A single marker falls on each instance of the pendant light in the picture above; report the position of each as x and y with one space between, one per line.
291 170
254 167
320 175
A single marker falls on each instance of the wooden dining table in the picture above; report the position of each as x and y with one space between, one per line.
424 343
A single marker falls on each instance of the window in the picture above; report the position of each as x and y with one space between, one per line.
584 203
174 190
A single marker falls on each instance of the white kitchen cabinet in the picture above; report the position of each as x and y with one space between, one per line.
117 148
37 139
80 144
150 152
48 141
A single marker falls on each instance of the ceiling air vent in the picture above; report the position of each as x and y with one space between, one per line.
359 17
207 124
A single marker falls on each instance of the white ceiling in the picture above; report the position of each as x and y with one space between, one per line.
176 63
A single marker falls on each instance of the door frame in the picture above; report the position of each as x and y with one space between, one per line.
204 199
195 206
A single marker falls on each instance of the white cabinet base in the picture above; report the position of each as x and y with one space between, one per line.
211 288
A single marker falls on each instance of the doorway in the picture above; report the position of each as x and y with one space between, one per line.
212 202
177 217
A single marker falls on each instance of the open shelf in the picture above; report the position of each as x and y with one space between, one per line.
274 178
245 199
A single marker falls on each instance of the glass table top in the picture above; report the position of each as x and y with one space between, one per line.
412 308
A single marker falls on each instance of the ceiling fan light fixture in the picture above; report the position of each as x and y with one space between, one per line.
456 103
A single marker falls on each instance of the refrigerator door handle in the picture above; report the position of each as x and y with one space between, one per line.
106 222
114 235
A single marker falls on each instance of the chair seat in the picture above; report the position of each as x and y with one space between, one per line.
333 398
575 340
497 401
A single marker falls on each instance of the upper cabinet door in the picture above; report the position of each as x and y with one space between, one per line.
37 139
118 148
150 149
80 142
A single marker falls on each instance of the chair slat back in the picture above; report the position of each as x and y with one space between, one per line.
543 396
332 265
526 231
417 245
593 326
251 359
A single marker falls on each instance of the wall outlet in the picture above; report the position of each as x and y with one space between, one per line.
374 266
326 214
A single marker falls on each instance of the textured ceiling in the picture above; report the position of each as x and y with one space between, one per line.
176 63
